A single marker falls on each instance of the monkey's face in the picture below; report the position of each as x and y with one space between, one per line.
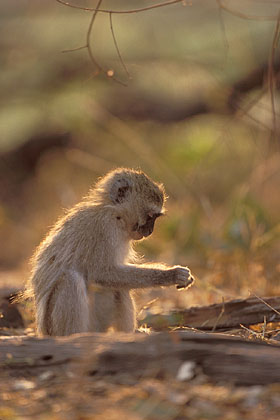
138 200
145 229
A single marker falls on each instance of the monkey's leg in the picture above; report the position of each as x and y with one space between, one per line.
67 310
125 319
101 310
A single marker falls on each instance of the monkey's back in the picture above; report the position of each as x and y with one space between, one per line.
79 241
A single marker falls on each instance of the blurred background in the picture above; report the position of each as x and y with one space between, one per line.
199 113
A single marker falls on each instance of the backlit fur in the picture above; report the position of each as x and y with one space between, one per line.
85 268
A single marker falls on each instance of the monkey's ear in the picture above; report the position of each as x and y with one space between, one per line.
120 191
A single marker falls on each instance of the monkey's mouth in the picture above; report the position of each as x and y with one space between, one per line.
146 233
137 235
139 232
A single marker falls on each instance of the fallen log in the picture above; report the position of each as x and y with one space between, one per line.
219 316
220 357
10 316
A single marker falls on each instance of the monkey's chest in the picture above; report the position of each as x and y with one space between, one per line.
117 297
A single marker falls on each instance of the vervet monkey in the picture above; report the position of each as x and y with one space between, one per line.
85 268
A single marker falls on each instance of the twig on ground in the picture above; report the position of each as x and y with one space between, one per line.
264 327
256 334
148 304
267 304
220 315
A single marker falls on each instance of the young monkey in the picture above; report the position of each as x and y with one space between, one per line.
82 271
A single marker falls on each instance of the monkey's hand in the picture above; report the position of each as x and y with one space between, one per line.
183 277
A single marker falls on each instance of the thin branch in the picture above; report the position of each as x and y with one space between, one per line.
256 334
240 14
264 327
146 306
117 47
266 1
75 49
220 315
271 75
97 9
143 9
254 101
109 73
88 38
243 112
267 304
223 29
87 9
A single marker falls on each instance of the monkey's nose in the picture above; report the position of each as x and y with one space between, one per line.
148 232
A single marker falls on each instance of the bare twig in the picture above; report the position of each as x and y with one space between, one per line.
87 46
220 315
240 14
267 304
75 49
117 47
267 1
271 75
264 327
223 29
88 38
242 112
147 306
256 334
143 9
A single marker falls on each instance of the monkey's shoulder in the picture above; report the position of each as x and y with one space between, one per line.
83 228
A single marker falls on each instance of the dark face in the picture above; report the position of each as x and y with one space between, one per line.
145 230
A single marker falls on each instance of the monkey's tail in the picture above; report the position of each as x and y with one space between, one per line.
23 295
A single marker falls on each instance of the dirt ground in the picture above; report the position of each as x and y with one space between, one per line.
75 391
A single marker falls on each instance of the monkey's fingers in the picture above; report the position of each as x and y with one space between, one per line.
189 283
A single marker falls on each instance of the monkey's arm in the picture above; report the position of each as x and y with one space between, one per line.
140 276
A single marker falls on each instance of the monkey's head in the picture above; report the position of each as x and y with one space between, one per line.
138 200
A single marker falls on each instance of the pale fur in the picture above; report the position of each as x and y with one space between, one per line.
83 271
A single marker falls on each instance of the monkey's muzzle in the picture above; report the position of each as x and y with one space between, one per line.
148 228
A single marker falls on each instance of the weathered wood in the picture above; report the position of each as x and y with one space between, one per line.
10 316
224 316
221 357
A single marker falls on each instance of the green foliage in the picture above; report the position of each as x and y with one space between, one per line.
218 219
193 143
247 224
